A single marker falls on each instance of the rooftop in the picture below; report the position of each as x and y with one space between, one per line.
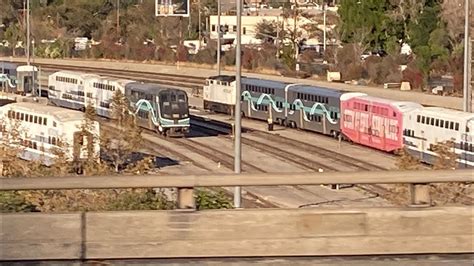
63 115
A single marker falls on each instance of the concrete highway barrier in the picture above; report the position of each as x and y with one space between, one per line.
236 233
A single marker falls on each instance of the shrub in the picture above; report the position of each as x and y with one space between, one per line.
228 58
308 56
206 56
414 76
353 72
182 53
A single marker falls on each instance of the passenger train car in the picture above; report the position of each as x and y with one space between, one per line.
102 90
300 106
43 128
159 108
379 123
71 89
431 125
374 122
314 108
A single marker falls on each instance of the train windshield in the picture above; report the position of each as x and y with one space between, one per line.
174 104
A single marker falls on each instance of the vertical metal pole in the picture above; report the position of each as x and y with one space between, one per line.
466 96
238 126
470 81
28 32
324 36
199 22
118 19
278 38
39 81
218 37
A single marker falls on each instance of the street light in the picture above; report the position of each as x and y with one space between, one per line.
238 126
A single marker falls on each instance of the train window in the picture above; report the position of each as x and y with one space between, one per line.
173 97
394 114
451 125
31 118
457 127
446 124
40 120
45 121
366 108
467 129
470 148
35 119
54 124
22 116
431 121
437 122
418 118
17 116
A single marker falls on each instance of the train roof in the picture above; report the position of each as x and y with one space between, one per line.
63 115
8 65
265 83
77 74
445 112
403 106
26 68
309 89
118 80
226 78
148 87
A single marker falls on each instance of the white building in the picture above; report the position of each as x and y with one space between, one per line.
249 26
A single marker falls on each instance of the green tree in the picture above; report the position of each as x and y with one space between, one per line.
365 23
125 139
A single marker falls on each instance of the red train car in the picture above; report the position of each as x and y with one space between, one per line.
374 122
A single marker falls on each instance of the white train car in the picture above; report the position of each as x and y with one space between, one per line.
45 128
219 94
68 89
431 125
102 90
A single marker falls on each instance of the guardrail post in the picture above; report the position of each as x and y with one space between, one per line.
420 195
186 198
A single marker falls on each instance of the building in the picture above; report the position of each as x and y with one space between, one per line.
250 22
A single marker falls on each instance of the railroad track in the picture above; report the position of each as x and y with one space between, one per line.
308 163
210 153
175 80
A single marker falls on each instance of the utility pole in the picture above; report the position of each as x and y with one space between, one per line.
324 32
118 20
278 38
467 61
218 37
238 126
199 22
28 32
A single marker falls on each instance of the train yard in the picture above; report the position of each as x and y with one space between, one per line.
208 148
